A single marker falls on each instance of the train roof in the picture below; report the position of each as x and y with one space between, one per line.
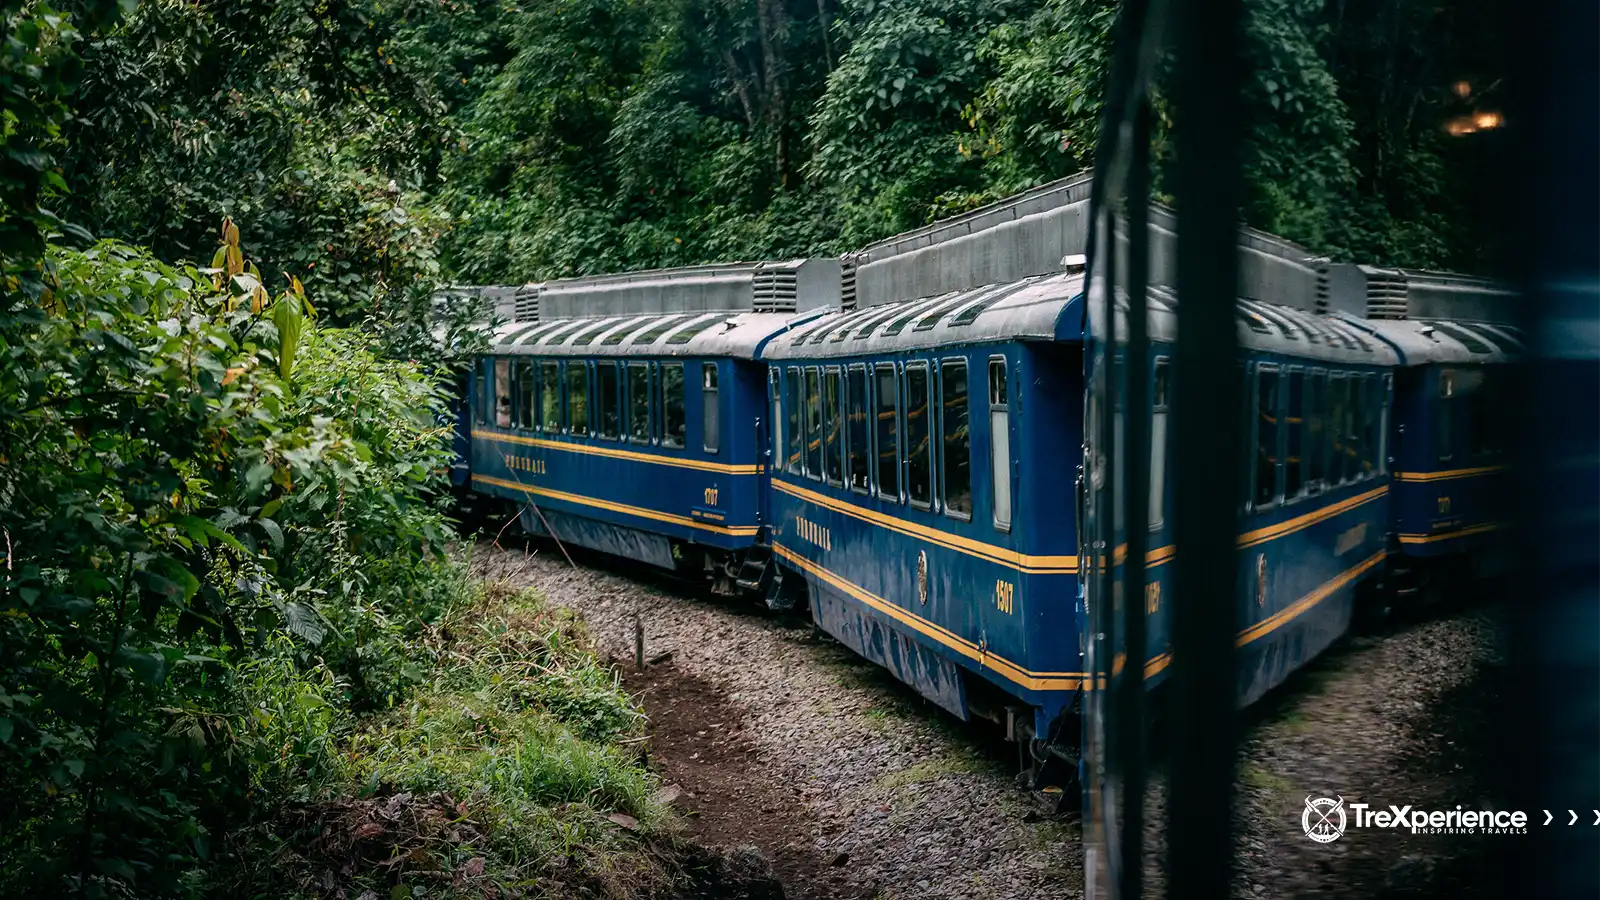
739 335
1032 308
1420 342
1263 327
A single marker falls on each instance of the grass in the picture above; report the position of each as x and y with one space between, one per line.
932 770
1260 779
508 771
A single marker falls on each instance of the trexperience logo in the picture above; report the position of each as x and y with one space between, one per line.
1324 819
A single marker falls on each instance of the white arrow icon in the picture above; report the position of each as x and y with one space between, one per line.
1574 818
1547 817
1597 817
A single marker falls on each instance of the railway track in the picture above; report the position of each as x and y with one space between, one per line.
853 787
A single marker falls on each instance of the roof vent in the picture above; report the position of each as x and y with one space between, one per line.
847 282
1386 294
1324 295
775 288
526 306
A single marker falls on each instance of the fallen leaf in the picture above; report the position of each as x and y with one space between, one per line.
473 868
368 830
669 793
626 821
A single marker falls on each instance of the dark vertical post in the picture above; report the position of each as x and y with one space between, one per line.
1131 718
1553 234
1206 424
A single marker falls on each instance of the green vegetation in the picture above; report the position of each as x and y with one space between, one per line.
372 146
235 655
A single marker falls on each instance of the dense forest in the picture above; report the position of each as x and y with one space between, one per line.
237 652
370 144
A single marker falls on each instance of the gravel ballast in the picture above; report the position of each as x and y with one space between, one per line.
856 787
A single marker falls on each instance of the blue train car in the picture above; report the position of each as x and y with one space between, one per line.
641 433
1450 447
919 489
1313 507
1449 435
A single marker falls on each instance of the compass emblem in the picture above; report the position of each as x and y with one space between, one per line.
1323 819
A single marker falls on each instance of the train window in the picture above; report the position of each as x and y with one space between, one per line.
887 469
1267 421
1294 420
1477 392
639 402
791 402
1313 441
813 448
1159 406
523 378
860 443
1000 441
1338 398
607 408
1369 426
550 397
833 439
775 398
919 436
502 393
1353 412
481 389
710 424
1443 416
957 434
577 398
674 427
1385 388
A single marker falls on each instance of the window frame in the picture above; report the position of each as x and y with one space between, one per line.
943 468
775 410
811 387
868 476
667 441
1161 364
877 465
1386 385
597 392
1275 370
794 420
1338 382
649 402
923 366
1292 432
567 367
502 366
710 408
1002 525
828 416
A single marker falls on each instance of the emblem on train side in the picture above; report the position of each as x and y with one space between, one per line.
1323 819
922 577
1350 539
1261 580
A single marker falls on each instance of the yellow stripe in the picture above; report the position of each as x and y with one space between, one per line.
1058 681
736 530
1038 681
1281 617
1289 526
1448 474
1464 532
1033 565
542 443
